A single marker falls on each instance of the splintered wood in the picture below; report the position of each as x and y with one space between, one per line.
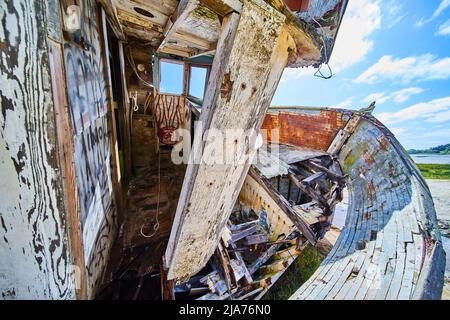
381 252
251 54
249 258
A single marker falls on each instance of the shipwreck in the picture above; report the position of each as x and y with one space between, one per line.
114 185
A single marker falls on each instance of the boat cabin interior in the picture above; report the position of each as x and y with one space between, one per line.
127 101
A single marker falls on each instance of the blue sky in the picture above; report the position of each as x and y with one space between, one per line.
394 52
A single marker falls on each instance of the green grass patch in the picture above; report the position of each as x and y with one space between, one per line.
298 272
434 171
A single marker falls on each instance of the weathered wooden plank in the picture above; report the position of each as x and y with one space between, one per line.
310 216
36 258
344 134
284 205
235 236
223 7
313 178
88 86
167 286
321 201
250 57
256 239
66 154
247 274
115 163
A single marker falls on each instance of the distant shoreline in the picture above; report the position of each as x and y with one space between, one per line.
439 150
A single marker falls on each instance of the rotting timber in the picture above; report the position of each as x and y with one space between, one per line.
94 207
390 247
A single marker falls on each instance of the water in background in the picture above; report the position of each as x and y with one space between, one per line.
431 158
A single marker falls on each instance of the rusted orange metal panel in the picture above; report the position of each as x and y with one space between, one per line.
310 129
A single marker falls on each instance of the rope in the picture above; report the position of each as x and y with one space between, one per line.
156 225
319 73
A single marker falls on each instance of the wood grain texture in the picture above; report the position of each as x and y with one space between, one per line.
88 94
247 67
35 255
390 247
66 157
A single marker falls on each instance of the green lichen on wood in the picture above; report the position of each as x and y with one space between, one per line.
202 12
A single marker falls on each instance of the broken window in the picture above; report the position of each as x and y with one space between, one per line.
197 81
172 74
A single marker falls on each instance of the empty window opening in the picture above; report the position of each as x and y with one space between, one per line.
197 81
172 74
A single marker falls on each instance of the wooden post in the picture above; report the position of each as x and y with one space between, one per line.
64 131
127 114
252 52
115 162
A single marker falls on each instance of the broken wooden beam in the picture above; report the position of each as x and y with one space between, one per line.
167 286
284 205
272 250
313 178
331 174
224 260
256 239
242 82
237 227
247 274
321 201
343 135
236 236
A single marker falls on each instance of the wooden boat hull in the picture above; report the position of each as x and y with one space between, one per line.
390 247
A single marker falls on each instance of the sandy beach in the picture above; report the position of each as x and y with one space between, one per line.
440 189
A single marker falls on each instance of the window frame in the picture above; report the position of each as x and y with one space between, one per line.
188 86
183 84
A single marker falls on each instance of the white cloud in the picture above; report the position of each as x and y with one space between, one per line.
366 15
399 96
444 29
294 73
393 13
343 104
424 67
379 97
403 95
443 5
427 111
440 117
419 23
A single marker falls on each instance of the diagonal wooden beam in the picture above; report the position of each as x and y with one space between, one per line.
285 206
321 201
252 51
